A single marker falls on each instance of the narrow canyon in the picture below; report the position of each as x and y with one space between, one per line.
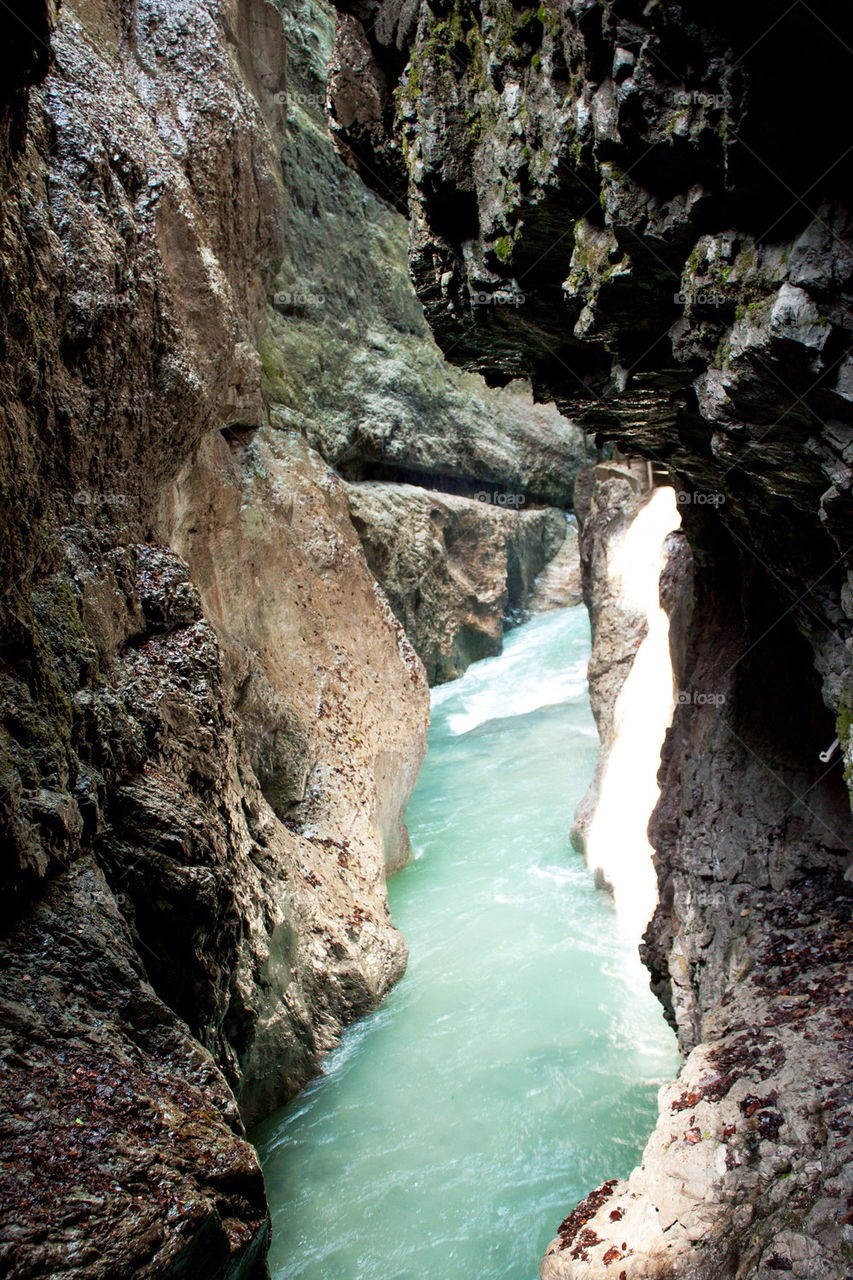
337 344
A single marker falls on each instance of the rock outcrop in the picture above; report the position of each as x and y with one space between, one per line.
559 585
607 500
663 227
348 358
455 570
123 1151
637 573
332 709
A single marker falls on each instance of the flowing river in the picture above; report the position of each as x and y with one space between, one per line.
516 1065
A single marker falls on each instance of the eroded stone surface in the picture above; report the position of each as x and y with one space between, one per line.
748 1171
222 936
455 570
123 1152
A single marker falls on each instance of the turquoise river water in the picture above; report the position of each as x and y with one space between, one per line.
517 1063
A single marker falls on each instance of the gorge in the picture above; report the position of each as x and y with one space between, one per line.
259 493
521 1053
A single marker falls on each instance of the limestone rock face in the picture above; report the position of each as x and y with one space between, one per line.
748 1171
203 785
559 584
606 502
330 695
637 580
348 358
122 1146
454 570
619 182
330 711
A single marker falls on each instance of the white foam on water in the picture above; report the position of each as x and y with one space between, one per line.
510 684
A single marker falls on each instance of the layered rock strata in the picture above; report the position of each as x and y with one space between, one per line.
455 570
663 227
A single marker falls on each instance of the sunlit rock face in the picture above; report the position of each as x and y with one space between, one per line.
617 845
330 711
637 576
663 227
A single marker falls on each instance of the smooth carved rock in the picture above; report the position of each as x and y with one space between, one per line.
330 709
558 586
455 570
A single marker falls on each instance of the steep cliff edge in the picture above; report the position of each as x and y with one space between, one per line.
655 203
332 708
350 363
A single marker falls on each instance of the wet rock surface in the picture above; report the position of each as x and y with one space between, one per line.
558 586
748 1171
123 1151
348 358
194 854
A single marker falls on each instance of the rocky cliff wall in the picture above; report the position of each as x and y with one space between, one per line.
134 240
637 583
350 363
331 706
456 571
606 503
655 200
348 358
202 791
